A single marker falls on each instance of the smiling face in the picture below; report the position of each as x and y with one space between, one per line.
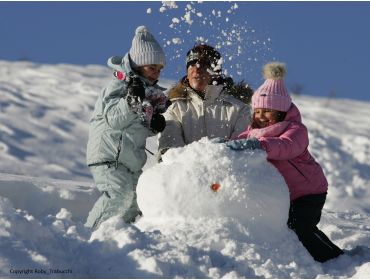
150 72
198 75
265 117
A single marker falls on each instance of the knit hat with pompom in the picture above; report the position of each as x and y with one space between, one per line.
272 94
145 49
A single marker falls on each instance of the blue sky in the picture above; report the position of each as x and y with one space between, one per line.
326 45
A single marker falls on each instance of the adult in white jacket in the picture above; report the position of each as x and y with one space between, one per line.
204 102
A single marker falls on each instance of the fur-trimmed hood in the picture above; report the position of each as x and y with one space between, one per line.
240 90
124 65
179 91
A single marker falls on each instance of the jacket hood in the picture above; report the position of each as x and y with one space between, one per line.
180 91
293 114
124 64
121 63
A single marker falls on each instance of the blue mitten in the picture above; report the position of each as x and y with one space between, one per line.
218 140
242 144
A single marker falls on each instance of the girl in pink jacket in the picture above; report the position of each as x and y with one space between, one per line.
277 128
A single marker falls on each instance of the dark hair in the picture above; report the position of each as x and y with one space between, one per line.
209 55
280 116
203 53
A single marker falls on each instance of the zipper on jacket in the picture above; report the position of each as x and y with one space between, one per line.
204 111
118 151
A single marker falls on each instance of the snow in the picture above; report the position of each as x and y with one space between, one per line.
215 25
246 194
188 230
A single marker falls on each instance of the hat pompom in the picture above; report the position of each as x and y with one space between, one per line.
141 29
274 71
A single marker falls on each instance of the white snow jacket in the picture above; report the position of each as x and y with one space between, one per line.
189 118
117 133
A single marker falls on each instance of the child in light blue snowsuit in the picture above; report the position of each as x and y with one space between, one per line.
127 111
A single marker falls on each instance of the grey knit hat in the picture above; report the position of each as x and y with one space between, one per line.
145 49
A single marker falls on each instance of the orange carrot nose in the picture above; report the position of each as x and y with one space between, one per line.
215 187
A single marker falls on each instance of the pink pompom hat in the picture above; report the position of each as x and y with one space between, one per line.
272 94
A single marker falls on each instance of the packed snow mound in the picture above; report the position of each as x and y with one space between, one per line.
251 190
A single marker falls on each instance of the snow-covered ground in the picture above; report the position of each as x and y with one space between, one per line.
188 231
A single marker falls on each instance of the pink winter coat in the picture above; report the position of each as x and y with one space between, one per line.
286 145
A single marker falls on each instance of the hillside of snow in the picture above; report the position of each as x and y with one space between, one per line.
188 230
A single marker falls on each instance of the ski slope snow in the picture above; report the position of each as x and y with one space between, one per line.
188 230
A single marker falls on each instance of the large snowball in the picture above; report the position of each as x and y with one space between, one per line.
251 189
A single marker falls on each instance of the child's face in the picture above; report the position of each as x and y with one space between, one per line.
150 72
265 117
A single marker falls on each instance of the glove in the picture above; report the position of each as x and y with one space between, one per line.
158 123
136 88
242 144
168 103
218 140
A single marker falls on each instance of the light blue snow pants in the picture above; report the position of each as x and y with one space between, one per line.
118 195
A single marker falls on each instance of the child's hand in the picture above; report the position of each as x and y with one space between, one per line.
242 144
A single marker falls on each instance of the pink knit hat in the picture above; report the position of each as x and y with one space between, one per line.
272 94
